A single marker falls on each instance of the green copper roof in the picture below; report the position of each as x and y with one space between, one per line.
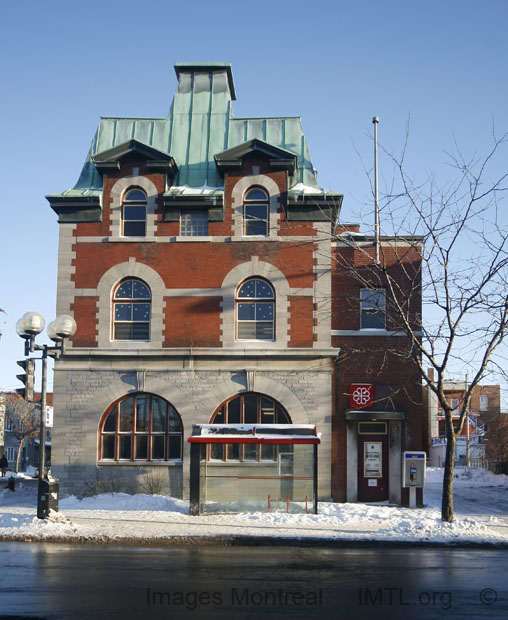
200 124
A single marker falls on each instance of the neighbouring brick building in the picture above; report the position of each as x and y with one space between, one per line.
484 411
201 262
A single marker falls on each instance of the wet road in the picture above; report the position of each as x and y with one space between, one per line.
65 582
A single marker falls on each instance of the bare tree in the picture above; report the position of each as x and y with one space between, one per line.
458 230
25 422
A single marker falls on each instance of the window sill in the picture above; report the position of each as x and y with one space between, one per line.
150 239
231 463
370 331
193 238
139 463
254 340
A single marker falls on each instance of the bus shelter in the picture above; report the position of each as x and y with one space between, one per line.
253 467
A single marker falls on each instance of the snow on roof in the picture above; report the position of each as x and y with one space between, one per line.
254 433
243 429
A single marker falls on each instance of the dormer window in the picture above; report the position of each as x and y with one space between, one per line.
194 223
134 213
255 213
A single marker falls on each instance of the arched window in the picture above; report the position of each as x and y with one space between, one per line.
131 311
249 408
255 311
255 213
134 213
140 427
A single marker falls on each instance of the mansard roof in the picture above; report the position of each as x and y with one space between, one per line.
200 126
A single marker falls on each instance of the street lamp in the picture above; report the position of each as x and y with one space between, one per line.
28 327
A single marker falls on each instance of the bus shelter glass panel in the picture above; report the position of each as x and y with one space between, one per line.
268 477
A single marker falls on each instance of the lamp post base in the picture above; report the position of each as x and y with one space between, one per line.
47 497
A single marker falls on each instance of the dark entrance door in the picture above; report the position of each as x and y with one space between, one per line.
372 461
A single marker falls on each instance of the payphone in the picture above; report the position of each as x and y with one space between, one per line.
413 473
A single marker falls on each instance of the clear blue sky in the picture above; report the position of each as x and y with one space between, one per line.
337 64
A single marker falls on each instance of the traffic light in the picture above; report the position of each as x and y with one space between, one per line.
27 378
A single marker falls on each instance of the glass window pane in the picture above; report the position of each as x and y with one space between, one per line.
142 403
233 451
217 451
267 452
123 331
255 194
263 290
125 447
246 331
250 452
264 312
256 228
140 290
219 417
250 409
194 224
108 446
124 291
142 447
267 411
140 331
234 411
246 312
373 320
158 415
175 424
158 448
264 331
135 194
372 299
123 312
110 422
140 312
134 213
282 416
174 447
255 212
126 414
134 229
248 289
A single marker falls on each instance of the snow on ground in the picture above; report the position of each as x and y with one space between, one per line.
481 509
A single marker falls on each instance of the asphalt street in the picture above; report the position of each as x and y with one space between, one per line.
61 582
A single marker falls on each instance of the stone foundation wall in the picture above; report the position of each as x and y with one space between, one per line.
82 396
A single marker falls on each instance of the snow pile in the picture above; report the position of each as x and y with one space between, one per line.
481 502
124 501
468 474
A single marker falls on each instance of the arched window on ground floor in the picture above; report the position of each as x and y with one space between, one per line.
249 408
140 427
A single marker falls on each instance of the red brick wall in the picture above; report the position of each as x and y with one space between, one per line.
383 361
84 310
192 321
300 327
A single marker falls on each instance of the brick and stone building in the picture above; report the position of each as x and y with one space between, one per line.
203 265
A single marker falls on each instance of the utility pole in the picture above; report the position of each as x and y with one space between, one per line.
375 120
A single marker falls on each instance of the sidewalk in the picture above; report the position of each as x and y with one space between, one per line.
160 520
